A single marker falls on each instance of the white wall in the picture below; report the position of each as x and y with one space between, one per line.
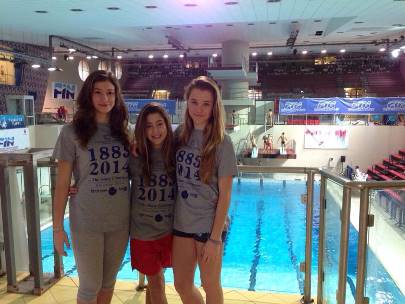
70 74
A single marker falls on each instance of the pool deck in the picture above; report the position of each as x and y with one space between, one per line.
65 292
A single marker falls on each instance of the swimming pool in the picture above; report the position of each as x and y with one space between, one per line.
266 243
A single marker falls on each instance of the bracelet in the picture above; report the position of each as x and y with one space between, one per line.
58 229
215 241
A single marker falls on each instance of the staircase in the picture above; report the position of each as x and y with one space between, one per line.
391 168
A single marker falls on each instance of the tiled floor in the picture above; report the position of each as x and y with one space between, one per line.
65 292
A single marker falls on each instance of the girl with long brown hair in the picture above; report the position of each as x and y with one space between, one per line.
205 165
95 149
153 195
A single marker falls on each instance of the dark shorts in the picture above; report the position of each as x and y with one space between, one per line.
199 237
149 257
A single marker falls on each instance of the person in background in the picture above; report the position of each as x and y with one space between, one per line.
153 194
234 118
206 163
95 148
269 118
283 141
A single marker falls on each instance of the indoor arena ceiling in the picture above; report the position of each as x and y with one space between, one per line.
200 26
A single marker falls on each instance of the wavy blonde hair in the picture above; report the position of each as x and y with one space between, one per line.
214 131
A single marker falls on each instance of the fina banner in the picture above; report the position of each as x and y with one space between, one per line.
326 137
136 105
14 139
12 121
338 105
64 91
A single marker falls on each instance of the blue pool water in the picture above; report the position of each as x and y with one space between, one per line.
266 243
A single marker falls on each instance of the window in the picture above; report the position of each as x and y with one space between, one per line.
103 66
118 70
84 70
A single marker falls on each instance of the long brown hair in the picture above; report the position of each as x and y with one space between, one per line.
214 131
144 147
84 121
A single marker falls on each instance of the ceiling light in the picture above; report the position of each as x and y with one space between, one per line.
382 50
94 57
402 47
88 57
71 57
269 53
324 51
51 69
53 57
35 66
150 56
181 55
119 57
71 50
342 51
304 52
215 55
165 56
395 53
254 54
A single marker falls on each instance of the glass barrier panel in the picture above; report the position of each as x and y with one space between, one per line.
19 222
267 220
44 195
334 197
45 215
385 280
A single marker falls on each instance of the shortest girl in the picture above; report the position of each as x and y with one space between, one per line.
153 196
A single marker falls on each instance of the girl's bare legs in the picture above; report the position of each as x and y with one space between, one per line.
156 288
184 265
104 296
210 273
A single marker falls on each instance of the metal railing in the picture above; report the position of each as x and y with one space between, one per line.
365 221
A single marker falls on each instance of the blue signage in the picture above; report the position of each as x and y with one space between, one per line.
136 105
338 105
12 121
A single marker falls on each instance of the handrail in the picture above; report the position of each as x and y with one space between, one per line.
267 169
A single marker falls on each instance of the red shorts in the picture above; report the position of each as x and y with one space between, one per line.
149 257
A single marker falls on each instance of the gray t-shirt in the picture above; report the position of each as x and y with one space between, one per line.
101 176
152 204
196 201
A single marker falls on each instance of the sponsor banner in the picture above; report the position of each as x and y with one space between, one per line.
64 91
337 105
14 139
326 137
136 105
12 121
